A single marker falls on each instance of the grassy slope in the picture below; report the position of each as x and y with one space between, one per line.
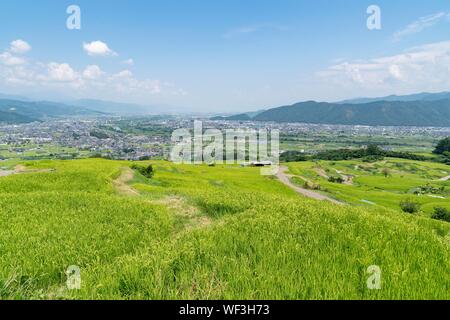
231 234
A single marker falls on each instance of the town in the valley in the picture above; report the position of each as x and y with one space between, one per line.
146 138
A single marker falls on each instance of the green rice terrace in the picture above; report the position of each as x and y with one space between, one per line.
382 183
221 232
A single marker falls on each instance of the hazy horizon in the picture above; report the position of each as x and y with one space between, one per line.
223 57
186 110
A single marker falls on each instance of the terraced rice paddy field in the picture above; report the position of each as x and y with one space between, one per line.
383 183
222 232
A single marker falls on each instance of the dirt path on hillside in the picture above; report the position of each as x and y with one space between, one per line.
285 179
121 183
348 179
445 178
20 169
322 173
189 216
5 173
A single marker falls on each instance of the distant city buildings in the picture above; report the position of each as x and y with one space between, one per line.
141 138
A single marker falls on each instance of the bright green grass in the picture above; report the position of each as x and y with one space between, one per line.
262 240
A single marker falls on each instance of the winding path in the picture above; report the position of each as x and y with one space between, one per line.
121 183
20 169
285 179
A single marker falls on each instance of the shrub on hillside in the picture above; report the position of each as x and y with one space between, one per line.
410 206
311 185
336 179
146 171
441 214
429 189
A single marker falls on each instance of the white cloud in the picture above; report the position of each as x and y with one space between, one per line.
19 46
17 75
129 62
8 59
123 74
92 72
17 72
395 71
253 29
62 72
425 67
419 25
124 82
90 81
98 48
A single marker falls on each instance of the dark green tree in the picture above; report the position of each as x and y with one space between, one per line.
441 214
443 146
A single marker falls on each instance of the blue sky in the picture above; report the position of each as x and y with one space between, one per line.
223 55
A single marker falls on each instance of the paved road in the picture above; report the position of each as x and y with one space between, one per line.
285 178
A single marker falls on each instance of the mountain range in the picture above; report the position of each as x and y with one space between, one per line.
424 96
425 109
16 111
110 107
123 109
19 109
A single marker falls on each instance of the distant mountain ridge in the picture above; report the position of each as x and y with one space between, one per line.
424 96
242 117
380 113
420 113
13 97
20 109
16 111
423 109
123 109
111 107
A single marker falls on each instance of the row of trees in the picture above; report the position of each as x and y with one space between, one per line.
443 147
443 150
371 153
